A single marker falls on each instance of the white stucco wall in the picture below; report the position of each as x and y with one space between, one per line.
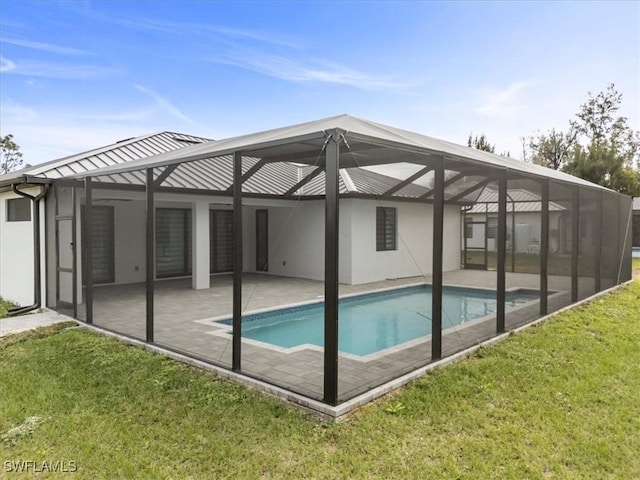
413 256
296 237
16 254
296 240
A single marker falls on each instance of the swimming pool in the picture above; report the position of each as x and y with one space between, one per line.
373 322
635 252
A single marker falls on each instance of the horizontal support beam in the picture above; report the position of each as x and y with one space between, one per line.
469 190
248 174
314 156
407 181
164 175
453 179
310 176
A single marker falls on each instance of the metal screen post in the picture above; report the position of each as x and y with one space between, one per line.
150 252
436 273
74 251
544 249
575 245
502 251
237 263
598 260
332 155
87 245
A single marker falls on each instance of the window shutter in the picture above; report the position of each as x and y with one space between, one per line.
173 242
386 228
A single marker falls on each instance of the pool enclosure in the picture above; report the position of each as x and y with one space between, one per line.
192 250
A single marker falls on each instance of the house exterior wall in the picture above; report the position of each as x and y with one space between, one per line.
413 256
129 241
16 253
296 240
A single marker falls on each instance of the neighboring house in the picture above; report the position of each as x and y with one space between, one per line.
523 218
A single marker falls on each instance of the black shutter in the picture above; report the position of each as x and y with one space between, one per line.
173 242
221 238
101 231
385 228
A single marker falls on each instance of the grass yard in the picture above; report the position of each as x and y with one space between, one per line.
560 400
4 307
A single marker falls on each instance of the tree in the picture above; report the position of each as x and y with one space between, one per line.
606 148
480 143
551 149
10 155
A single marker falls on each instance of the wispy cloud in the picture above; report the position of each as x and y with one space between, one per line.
192 30
56 70
258 36
130 116
272 54
500 100
45 47
150 113
13 112
293 70
165 105
6 65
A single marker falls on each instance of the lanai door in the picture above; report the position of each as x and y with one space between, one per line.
65 232
475 245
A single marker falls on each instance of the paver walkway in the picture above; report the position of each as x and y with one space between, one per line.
22 323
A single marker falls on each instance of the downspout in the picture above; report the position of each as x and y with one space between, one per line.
36 251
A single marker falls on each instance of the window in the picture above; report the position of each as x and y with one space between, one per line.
385 229
19 210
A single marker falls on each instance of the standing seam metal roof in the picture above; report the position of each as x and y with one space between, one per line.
356 130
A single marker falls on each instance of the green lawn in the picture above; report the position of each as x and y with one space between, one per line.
560 400
4 307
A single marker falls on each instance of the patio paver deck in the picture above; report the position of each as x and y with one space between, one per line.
183 323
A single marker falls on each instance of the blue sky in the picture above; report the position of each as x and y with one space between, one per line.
75 75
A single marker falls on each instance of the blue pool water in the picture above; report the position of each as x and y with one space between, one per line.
635 252
373 322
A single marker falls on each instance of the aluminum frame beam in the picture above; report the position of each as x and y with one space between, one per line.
436 278
332 155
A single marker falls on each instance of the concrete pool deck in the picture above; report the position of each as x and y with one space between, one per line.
183 323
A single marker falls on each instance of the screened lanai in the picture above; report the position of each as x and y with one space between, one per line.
330 258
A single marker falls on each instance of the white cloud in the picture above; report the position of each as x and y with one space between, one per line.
165 105
46 47
300 71
6 65
501 101
56 70
13 112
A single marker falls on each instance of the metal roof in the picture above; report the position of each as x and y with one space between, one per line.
204 164
366 142
519 199
211 174
118 153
